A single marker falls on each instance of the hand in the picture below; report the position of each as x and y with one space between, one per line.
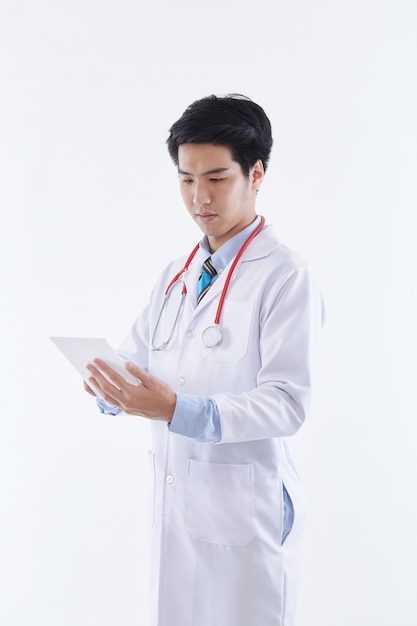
151 398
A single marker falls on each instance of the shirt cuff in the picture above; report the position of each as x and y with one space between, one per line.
196 417
106 408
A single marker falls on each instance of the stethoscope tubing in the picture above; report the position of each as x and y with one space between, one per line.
181 272
177 276
232 269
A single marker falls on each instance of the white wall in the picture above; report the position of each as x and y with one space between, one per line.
88 90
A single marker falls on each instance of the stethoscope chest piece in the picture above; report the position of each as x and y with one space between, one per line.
212 336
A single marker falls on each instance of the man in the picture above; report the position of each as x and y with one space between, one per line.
224 353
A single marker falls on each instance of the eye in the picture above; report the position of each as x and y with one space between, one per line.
187 181
216 180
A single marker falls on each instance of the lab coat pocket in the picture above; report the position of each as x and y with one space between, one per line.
220 507
235 324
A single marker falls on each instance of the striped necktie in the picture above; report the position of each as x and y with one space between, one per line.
204 282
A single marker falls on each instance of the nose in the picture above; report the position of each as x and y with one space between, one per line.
201 194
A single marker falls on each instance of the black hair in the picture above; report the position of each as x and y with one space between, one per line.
234 121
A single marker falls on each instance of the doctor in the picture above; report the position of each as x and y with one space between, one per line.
224 353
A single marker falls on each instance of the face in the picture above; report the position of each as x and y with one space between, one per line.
217 194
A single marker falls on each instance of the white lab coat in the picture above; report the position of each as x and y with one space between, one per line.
217 509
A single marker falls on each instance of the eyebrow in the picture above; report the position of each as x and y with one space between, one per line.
217 170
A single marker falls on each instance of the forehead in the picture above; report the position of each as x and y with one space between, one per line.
196 158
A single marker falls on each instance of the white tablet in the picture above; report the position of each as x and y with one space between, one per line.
83 350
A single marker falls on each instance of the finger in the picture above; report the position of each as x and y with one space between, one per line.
103 387
110 374
96 376
138 372
105 390
88 389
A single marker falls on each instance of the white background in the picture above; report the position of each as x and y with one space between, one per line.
90 213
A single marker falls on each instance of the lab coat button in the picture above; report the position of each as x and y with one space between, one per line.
181 381
170 479
191 333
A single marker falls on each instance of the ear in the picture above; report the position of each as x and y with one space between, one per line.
256 175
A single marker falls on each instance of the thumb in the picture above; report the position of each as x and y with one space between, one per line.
138 372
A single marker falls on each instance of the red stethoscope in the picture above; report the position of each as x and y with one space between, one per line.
212 335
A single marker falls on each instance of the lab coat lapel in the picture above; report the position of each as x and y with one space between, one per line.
190 278
260 247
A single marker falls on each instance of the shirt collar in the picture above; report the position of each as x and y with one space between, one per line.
223 256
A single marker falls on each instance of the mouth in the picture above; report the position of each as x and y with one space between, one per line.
206 217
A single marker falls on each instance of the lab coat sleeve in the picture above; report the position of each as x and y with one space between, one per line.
135 346
289 325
